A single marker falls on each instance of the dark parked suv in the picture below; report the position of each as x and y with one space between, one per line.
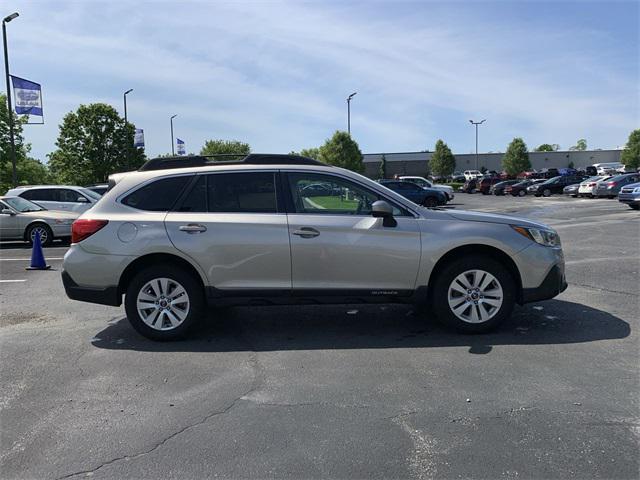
427 197
554 185
486 183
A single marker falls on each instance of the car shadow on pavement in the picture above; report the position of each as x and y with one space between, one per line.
369 326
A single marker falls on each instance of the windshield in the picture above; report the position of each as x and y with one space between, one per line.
91 194
22 205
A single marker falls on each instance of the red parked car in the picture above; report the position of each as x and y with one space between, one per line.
485 184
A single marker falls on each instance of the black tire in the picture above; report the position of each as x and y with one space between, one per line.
46 238
635 207
191 285
546 192
521 193
440 302
430 202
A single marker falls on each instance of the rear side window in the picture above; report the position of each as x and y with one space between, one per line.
158 196
42 194
253 192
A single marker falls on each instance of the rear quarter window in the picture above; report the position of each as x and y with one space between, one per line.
159 195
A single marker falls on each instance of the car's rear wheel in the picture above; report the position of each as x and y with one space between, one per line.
163 303
474 295
430 202
46 235
546 192
522 193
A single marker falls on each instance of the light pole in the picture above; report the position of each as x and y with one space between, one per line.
125 103
173 152
349 112
14 174
476 124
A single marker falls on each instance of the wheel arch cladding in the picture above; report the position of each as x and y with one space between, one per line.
483 250
152 260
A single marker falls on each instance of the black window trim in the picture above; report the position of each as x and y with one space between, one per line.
291 208
280 208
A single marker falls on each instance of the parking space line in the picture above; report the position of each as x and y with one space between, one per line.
12 281
27 259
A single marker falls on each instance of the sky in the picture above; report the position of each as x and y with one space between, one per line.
277 74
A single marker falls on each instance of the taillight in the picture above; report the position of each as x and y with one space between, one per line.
611 184
591 185
84 228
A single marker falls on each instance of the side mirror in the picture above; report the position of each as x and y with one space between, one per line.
7 211
82 199
381 209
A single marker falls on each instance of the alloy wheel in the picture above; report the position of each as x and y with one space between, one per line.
42 231
475 296
163 304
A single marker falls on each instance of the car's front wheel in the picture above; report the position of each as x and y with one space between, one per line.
546 192
474 295
430 202
522 193
163 303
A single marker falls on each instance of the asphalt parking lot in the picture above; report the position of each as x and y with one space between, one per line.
334 391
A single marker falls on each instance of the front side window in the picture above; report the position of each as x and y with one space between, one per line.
337 195
252 192
158 196
65 195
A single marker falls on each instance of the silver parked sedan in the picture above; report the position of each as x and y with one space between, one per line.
21 219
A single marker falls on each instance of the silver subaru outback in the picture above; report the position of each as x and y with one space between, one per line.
176 237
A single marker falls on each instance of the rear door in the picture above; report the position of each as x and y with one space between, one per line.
338 247
72 200
232 225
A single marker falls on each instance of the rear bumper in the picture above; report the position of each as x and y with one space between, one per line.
103 296
553 284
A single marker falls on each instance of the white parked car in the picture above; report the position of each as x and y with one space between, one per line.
607 168
424 183
58 197
588 187
472 174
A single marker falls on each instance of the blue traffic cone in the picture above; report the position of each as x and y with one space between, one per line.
37 255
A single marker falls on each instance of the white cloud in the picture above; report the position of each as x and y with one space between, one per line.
277 74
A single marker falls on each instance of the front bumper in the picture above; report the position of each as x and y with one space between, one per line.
553 284
103 296
629 198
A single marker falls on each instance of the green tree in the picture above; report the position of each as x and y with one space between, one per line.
547 147
342 151
630 156
516 158
225 147
94 142
29 171
311 153
581 145
442 162
382 171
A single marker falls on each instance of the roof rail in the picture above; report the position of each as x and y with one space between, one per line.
163 163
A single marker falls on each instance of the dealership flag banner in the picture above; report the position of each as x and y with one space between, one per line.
27 97
138 140
181 149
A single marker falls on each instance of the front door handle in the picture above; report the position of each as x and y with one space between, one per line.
193 228
306 232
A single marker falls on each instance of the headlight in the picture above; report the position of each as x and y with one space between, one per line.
636 190
548 238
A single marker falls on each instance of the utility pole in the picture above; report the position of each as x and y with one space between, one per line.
476 124
173 151
12 140
349 112
125 103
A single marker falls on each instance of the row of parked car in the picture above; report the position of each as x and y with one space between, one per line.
624 186
44 210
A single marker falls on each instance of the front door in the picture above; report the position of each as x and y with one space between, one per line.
337 246
9 224
232 226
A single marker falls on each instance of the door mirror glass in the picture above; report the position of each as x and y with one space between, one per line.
81 199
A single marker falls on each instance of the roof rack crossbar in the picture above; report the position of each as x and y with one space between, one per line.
163 163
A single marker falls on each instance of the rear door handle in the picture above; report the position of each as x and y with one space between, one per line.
306 232
193 228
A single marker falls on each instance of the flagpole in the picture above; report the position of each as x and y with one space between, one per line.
14 173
